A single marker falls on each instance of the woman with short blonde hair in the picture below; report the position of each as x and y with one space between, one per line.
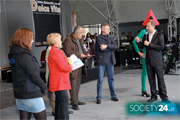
52 38
59 70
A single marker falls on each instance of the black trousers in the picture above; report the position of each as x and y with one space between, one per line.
61 105
158 71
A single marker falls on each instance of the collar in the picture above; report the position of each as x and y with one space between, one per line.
55 47
152 33
104 35
73 38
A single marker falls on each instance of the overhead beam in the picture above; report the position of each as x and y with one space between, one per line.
96 9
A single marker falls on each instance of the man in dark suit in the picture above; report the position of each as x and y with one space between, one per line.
154 42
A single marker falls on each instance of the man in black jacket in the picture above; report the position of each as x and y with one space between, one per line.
105 46
154 42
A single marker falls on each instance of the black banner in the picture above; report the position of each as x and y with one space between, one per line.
47 19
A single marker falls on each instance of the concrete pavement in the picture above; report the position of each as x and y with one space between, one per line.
127 87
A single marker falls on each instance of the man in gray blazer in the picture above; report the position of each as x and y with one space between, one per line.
154 42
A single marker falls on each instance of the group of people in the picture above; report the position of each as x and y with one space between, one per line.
28 86
127 37
89 42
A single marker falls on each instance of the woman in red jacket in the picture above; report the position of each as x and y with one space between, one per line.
59 82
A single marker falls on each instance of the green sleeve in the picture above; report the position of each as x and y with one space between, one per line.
136 46
140 36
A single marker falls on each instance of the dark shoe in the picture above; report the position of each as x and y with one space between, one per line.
115 99
53 113
75 107
71 112
144 94
152 99
81 103
98 101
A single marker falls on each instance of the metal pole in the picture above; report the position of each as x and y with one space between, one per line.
172 21
112 20
97 9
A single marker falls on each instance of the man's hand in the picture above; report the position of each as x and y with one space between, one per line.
83 55
142 54
102 46
137 39
88 56
146 43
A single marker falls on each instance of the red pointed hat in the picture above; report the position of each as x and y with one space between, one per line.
150 16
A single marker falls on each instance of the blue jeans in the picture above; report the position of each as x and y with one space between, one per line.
110 74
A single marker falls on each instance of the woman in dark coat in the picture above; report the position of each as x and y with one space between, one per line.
27 85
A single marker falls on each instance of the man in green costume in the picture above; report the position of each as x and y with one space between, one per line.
143 55
139 37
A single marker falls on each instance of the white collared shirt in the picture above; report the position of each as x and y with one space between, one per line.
151 35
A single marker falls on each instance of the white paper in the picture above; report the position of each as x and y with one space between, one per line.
74 58
76 63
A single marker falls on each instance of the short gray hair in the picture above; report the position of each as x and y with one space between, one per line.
76 29
104 24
